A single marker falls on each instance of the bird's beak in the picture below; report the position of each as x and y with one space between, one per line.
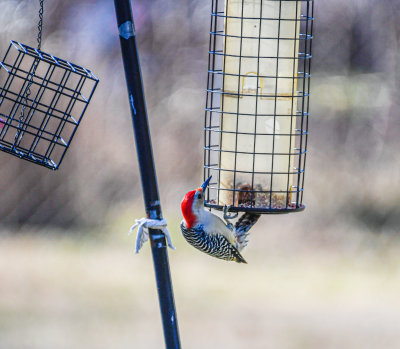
205 184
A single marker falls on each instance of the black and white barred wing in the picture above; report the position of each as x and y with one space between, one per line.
242 227
215 245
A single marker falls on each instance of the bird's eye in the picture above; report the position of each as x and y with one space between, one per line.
199 195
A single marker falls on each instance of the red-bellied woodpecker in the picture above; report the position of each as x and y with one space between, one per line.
209 233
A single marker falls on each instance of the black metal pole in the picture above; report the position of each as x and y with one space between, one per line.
147 170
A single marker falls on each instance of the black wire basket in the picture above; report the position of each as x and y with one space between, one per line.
256 118
42 101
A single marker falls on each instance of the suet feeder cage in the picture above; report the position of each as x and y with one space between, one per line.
256 119
42 101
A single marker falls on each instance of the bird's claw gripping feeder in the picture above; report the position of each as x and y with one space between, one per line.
256 119
42 101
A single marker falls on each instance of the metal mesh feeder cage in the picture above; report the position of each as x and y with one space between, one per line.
256 119
42 101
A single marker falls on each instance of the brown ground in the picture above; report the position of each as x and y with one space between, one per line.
304 289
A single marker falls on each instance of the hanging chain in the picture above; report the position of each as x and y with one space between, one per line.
35 65
40 25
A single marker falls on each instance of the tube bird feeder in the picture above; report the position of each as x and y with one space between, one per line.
256 119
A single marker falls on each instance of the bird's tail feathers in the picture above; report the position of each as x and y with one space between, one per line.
238 257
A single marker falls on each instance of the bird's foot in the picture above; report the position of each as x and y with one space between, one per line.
228 216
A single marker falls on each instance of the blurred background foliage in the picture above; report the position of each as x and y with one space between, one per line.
328 277
353 165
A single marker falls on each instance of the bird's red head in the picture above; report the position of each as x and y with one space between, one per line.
187 204
186 207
